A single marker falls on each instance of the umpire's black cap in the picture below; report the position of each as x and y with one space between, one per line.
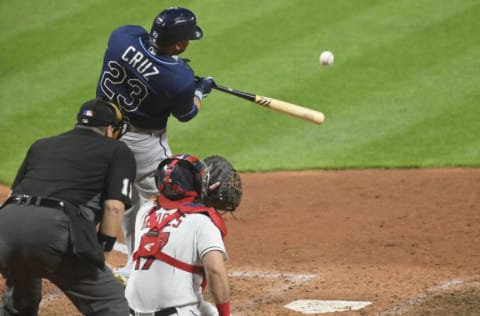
97 112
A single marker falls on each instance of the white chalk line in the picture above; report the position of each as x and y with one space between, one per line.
120 248
421 298
294 277
49 298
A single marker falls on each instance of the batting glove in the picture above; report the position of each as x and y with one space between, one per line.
203 86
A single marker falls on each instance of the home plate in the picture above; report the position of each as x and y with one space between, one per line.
319 306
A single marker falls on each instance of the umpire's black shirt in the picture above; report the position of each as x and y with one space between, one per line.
79 166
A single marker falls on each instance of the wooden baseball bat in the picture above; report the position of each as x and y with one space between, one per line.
277 105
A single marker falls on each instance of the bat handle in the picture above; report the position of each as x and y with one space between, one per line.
244 95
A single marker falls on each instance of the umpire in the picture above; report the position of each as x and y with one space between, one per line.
66 186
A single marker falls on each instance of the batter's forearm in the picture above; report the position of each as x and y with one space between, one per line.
198 102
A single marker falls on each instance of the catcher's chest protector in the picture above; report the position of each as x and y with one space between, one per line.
152 242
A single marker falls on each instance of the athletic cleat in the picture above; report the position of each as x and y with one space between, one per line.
120 277
123 273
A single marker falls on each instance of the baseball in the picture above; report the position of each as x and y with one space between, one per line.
326 58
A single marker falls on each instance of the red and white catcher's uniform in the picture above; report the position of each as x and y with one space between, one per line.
162 285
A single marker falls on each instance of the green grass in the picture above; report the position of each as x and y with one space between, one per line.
403 91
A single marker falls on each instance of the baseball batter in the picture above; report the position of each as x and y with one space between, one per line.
143 74
179 247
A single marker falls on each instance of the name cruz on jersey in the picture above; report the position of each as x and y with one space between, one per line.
139 62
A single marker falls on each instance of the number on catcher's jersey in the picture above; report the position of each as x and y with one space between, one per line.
154 244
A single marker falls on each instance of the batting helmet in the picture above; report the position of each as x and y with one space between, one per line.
181 176
174 24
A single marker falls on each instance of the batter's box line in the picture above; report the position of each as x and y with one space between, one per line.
293 277
122 248
49 298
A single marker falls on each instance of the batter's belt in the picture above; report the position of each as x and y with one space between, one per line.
164 312
134 129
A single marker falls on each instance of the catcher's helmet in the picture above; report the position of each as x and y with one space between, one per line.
174 24
181 176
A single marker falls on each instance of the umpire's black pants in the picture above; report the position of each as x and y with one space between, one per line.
35 244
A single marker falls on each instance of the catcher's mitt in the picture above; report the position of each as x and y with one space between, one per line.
228 195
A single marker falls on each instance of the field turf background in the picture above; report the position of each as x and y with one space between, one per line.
404 90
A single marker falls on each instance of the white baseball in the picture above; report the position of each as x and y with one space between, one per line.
326 58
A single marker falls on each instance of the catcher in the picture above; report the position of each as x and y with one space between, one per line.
179 248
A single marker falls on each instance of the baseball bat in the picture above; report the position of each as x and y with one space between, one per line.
277 105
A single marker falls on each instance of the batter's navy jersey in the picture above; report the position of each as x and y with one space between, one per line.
79 166
148 86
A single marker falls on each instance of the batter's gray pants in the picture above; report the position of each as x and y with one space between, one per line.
149 149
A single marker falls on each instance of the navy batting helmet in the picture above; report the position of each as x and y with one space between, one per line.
180 176
174 24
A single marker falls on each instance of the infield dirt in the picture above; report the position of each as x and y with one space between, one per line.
405 240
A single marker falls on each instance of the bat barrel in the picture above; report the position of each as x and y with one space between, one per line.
277 105
291 109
